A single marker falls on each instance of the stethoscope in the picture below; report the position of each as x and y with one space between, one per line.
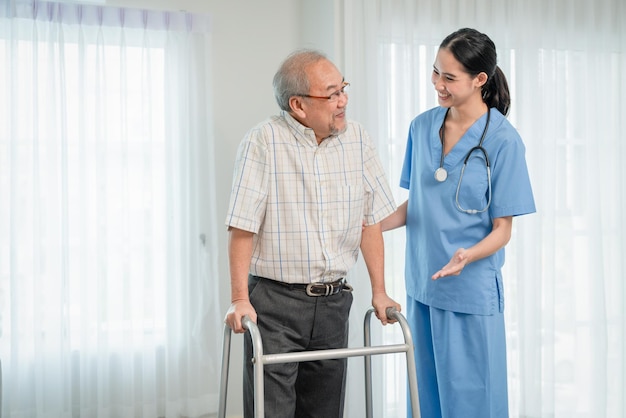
441 174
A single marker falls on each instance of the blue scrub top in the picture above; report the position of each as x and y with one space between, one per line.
435 228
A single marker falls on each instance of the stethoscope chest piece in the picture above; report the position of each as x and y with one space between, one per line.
441 174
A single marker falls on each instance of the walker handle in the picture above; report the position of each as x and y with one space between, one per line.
391 312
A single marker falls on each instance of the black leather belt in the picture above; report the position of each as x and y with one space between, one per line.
327 289
314 289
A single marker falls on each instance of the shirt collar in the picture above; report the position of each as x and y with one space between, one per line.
302 133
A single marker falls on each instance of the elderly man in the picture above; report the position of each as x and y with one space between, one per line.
308 191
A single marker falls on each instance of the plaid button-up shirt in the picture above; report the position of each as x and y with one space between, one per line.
306 202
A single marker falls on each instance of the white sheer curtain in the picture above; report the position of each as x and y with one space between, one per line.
565 273
106 247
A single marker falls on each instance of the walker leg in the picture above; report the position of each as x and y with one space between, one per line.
410 361
224 377
368 365
259 390
415 403
257 345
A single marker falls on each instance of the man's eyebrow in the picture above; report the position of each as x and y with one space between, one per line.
335 87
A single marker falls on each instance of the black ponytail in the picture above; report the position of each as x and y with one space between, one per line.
496 92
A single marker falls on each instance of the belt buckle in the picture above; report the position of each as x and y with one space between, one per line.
329 289
311 286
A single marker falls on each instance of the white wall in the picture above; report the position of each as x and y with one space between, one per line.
250 39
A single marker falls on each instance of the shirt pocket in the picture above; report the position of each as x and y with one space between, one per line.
342 213
472 191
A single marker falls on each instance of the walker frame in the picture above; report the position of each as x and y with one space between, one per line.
260 359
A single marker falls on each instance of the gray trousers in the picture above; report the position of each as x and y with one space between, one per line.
290 321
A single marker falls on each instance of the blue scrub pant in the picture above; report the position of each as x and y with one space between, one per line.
291 321
461 363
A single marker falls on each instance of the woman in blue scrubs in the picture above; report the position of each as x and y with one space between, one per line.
467 178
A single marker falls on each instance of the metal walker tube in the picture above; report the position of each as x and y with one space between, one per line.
259 359
410 361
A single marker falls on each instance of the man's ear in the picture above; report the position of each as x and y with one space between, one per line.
295 103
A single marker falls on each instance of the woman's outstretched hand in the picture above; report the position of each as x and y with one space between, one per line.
455 266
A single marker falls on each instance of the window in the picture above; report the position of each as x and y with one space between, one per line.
102 270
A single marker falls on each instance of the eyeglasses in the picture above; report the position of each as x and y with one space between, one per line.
333 96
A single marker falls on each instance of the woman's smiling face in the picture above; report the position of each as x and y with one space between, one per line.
453 84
